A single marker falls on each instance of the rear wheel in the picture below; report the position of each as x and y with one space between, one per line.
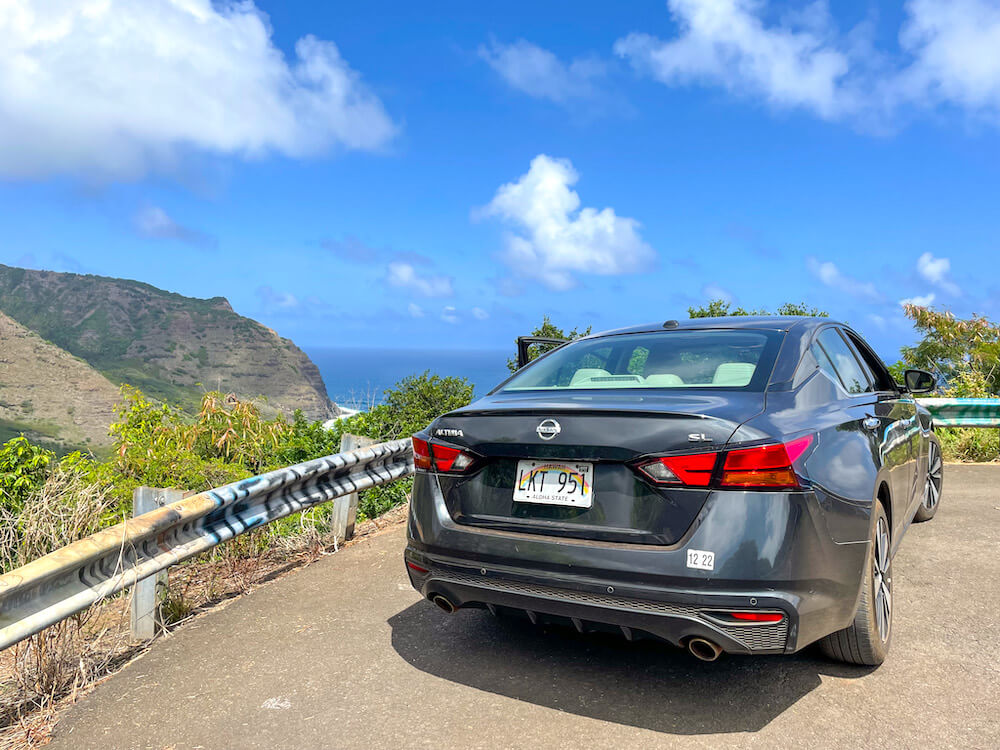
932 484
866 640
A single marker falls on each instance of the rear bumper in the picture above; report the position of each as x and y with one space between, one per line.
773 551
674 621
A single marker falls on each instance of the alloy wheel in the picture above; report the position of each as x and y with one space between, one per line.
932 487
882 577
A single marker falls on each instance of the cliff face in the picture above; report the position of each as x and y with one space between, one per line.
172 347
50 395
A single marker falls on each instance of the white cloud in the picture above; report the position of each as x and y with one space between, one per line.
727 42
112 89
154 222
405 276
415 311
920 301
479 313
936 271
714 291
559 240
955 45
539 73
449 314
947 54
829 274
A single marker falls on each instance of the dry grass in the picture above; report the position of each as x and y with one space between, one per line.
50 671
66 508
58 663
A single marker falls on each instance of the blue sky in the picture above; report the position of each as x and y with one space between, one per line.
388 174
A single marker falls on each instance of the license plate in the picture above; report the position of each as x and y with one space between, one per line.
554 483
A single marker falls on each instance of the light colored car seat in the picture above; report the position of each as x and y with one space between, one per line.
663 380
734 374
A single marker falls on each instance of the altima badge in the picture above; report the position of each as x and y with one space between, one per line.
548 429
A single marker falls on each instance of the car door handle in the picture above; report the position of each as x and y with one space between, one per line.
870 423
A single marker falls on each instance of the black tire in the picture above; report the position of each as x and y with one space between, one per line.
933 483
866 641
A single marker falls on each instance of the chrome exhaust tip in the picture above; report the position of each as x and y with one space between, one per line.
704 649
444 604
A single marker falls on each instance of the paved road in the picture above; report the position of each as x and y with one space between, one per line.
344 654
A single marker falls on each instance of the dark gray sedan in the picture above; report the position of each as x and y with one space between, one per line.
727 484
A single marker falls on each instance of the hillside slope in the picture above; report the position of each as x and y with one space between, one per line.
172 347
49 394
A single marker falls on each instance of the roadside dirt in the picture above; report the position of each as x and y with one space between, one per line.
102 645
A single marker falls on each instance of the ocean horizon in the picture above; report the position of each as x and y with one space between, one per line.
357 377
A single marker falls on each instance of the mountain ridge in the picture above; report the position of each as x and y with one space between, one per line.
171 346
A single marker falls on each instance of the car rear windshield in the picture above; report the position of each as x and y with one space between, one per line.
724 359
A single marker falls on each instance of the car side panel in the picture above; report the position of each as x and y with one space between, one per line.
845 461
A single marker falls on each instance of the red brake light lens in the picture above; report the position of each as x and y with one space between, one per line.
445 457
430 456
764 467
421 454
694 470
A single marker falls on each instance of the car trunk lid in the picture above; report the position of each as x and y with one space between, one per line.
608 431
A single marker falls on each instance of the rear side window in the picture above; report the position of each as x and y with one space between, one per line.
825 364
873 365
711 358
842 359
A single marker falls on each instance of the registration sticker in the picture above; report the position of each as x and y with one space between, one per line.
700 559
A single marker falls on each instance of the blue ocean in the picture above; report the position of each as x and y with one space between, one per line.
356 378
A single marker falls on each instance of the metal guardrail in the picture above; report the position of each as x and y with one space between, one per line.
64 582
963 412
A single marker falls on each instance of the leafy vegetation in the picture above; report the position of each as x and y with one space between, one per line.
23 468
965 354
549 330
720 308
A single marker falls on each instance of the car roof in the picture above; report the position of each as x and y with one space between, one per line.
747 322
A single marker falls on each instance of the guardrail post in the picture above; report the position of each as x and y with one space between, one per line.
147 592
345 509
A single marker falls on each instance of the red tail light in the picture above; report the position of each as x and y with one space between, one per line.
421 454
694 470
430 456
764 467
757 616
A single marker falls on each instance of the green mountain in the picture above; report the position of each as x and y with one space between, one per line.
172 347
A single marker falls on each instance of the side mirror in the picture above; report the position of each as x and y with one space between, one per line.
919 381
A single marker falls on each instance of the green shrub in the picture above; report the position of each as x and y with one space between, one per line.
969 443
23 468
